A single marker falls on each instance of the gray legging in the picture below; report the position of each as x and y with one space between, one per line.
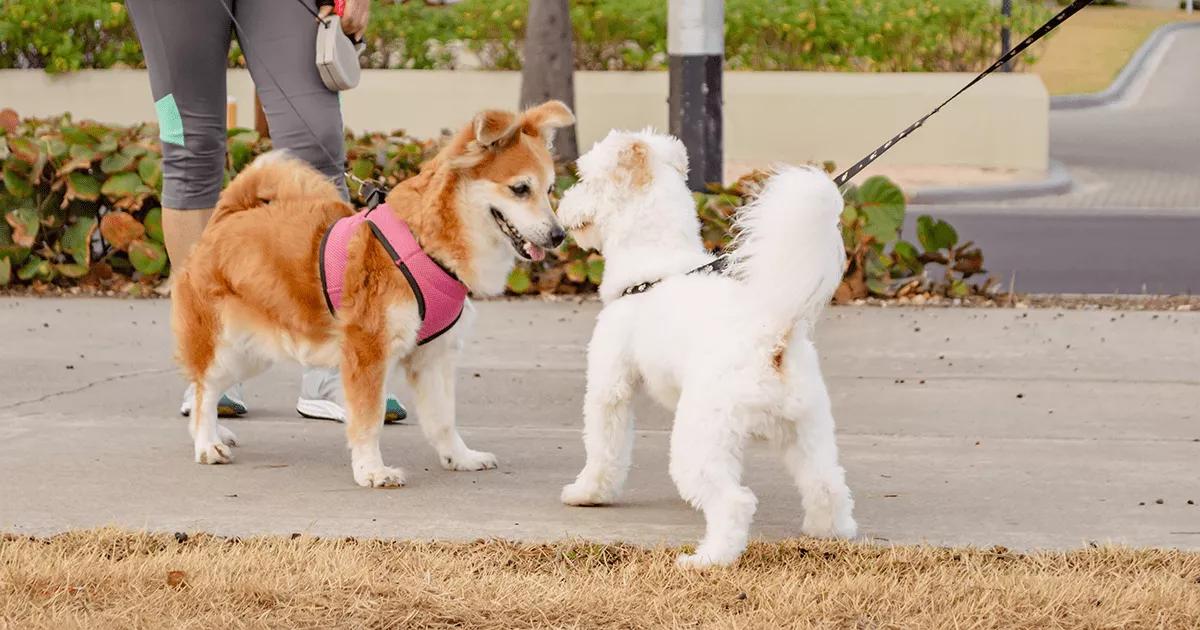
186 44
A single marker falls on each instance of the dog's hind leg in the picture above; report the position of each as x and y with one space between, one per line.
211 442
607 428
198 328
706 465
809 450
431 371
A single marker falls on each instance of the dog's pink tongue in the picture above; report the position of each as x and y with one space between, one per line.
535 252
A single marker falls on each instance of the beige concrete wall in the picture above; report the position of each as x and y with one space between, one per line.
785 116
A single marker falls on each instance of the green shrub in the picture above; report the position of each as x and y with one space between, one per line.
80 203
852 35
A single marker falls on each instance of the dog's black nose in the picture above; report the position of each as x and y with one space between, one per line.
557 236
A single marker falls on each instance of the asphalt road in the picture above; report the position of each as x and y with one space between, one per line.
1132 222
1051 251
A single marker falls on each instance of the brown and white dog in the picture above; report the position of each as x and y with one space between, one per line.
252 294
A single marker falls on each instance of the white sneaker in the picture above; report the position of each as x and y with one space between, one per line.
321 398
231 405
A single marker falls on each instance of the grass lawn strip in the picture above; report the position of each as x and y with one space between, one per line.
114 579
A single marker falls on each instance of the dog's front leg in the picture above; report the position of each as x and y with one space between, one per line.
364 375
431 371
607 426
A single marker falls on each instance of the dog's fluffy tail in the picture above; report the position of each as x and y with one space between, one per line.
789 247
274 176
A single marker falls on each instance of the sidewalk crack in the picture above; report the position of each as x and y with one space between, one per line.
88 385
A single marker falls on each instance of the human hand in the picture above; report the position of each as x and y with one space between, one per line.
355 17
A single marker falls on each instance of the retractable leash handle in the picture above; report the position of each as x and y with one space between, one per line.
1062 16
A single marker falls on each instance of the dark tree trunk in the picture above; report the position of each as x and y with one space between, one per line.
549 68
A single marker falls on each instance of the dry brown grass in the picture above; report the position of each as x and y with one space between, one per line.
114 579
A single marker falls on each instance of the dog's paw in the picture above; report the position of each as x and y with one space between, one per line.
381 477
584 494
827 525
702 560
218 453
227 436
469 460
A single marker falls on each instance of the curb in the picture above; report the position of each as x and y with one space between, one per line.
1058 181
1128 75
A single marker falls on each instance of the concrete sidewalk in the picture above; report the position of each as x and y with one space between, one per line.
1036 428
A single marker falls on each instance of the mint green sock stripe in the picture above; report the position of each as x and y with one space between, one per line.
170 123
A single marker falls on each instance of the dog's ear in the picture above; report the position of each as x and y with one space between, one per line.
577 207
677 156
541 121
633 165
493 126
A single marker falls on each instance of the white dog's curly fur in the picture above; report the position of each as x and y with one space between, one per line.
731 353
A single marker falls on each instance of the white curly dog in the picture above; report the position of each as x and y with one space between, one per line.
731 352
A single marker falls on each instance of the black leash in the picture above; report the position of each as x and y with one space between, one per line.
1062 16
371 192
717 265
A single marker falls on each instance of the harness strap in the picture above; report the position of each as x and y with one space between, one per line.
440 295
717 265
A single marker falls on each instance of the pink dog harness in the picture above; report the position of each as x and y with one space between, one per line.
440 294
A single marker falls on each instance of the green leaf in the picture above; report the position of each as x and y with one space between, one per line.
14 253
56 147
363 168
882 224
77 240
134 150
945 235
35 268
153 223
25 149
75 135
123 184
17 185
595 269
147 257
83 153
907 256
576 270
240 154
71 270
878 287
936 234
519 280
882 205
150 169
82 186
116 163
959 288
5 272
25 226
107 145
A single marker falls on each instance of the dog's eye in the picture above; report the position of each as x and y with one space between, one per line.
520 190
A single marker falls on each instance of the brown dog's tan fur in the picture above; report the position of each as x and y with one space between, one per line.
252 291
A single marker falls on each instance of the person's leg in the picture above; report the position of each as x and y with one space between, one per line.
186 47
186 44
305 118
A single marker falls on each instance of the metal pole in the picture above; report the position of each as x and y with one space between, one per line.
696 48
1191 6
1006 32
